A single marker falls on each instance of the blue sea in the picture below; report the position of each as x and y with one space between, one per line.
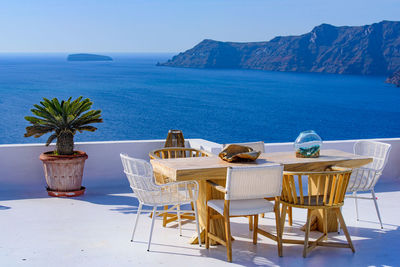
142 101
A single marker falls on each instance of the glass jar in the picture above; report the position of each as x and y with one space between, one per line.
308 145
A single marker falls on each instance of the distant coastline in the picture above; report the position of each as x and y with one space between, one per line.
361 50
88 57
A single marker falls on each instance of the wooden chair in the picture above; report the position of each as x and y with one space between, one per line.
175 152
260 146
316 190
245 192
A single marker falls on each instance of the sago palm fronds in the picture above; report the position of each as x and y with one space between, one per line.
62 119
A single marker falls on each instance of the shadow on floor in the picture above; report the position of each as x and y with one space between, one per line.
387 184
125 202
373 248
15 193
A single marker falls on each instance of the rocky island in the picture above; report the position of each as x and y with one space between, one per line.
367 50
88 57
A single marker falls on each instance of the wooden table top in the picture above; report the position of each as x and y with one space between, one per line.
204 168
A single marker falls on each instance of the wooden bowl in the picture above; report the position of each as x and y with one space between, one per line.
238 153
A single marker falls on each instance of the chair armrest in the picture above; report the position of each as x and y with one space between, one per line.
217 187
195 184
366 169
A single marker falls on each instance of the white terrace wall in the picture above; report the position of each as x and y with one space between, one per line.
21 171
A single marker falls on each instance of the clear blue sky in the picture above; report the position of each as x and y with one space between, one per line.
170 25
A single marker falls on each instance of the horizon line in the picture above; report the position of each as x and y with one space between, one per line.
59 52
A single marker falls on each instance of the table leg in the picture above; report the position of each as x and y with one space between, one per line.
216 226
331 219
317 215
317 219
170 216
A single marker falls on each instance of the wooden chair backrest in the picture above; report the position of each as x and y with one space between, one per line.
177 152
307 189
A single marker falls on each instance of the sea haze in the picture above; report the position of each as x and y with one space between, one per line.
142 101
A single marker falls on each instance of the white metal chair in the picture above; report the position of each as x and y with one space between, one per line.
245 193
175 152
260 146
141 180
365 178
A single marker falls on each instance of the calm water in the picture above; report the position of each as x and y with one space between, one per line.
142 101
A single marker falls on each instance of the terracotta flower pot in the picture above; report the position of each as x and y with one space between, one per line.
64 172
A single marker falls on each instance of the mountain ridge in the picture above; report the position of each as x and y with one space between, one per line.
367 50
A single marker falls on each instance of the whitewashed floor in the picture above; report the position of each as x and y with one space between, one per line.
94 230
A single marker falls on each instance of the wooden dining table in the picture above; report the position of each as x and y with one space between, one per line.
213 168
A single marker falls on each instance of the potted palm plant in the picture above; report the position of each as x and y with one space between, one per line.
63 167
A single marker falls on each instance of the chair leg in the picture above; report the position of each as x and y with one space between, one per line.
338 226
307 233
196 215
283 218
137 220
376 207
228 237
346 233
290 216
250 223
178 211
165 216
355 200
207 240
278 232
192 203
325 223
152 226
255 229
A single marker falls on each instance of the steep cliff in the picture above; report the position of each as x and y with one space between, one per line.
367 50
394 78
